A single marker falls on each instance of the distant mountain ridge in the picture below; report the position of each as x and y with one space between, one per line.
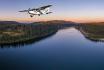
9 22
98 23
51 21
56 21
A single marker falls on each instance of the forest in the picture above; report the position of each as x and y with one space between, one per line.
13 32
92 31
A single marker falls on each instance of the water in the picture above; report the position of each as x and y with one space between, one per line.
67 49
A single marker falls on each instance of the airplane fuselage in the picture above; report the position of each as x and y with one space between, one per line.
34 12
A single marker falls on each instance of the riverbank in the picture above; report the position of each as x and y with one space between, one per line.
14 32
91 31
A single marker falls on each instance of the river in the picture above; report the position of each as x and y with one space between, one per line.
67 49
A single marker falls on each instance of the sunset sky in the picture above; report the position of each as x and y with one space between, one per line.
70 10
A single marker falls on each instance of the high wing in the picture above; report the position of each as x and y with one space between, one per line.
24 11
42 8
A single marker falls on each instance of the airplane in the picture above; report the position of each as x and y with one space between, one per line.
38 11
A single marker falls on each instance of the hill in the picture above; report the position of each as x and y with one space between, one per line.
93 32
14 32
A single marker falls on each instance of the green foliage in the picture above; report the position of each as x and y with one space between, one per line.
92 31
11 33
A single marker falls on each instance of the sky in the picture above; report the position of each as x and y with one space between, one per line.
69 10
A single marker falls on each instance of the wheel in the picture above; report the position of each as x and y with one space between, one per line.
39 15
31 15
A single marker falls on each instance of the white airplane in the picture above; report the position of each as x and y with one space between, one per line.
38 11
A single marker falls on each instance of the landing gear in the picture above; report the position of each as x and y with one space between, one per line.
48 12
39 15
31 15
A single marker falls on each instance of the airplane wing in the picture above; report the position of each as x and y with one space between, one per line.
24 11
42 8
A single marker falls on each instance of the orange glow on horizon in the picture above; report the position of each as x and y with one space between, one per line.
74 19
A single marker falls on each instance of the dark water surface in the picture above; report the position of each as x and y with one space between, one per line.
67 49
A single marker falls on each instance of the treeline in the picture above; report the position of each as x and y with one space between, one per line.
92 28
12 32
94 32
